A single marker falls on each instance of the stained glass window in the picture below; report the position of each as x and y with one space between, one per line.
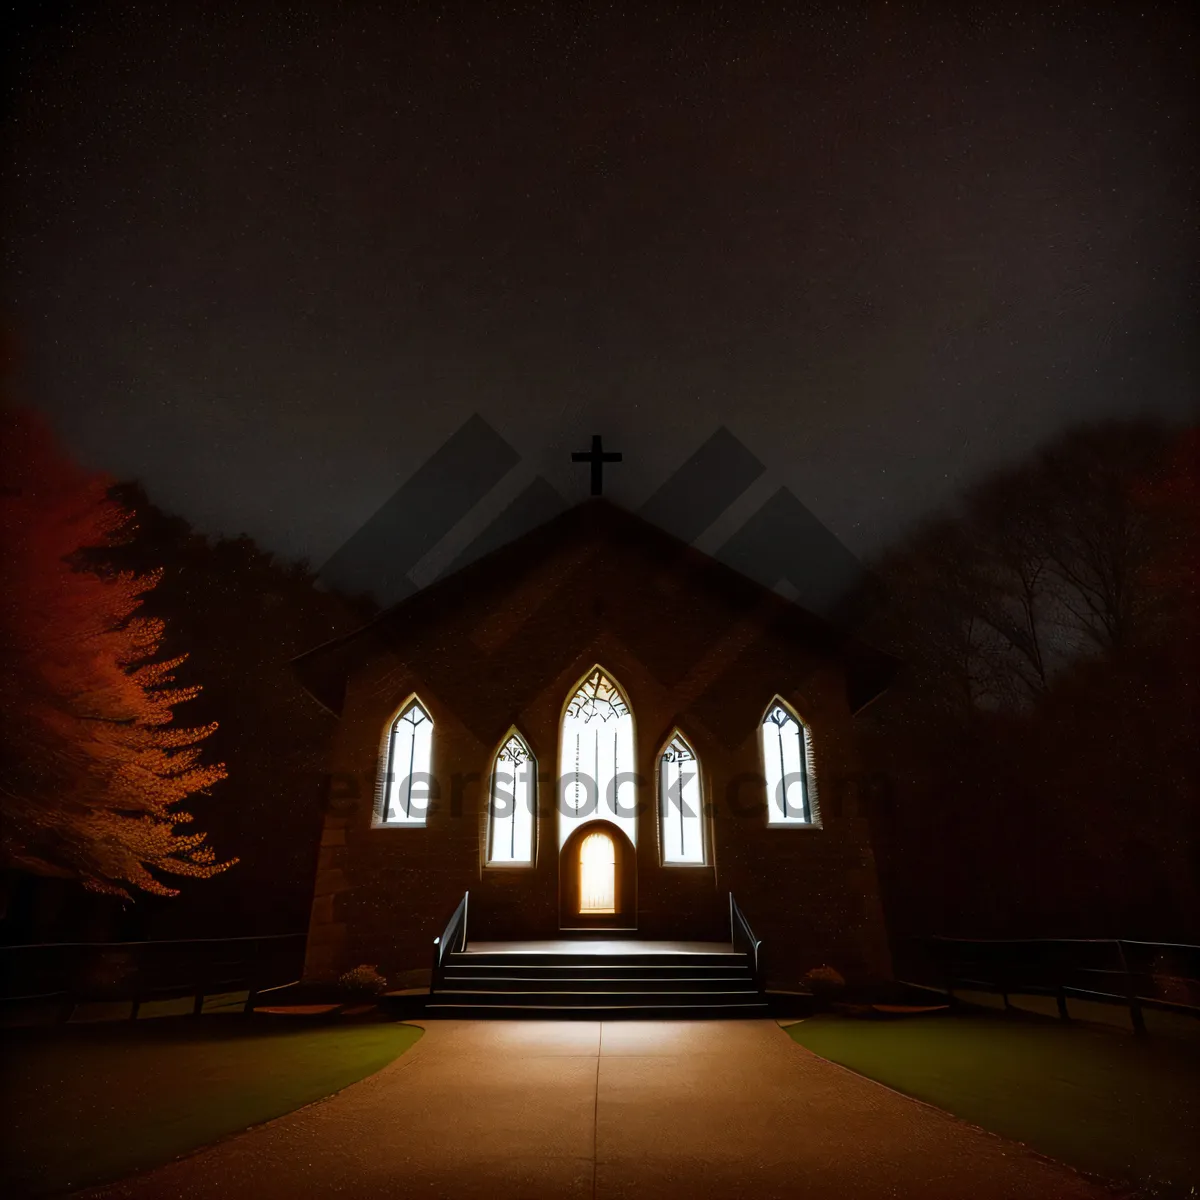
408 779
787 764
597 769
680 803
513 805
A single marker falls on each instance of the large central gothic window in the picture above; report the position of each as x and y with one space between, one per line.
596 768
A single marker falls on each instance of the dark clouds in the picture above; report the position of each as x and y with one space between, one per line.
267 260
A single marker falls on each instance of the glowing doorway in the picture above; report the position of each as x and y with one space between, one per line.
597 875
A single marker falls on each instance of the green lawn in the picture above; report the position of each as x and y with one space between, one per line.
1101 1100
88 1103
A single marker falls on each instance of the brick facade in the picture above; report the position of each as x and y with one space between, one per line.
504 643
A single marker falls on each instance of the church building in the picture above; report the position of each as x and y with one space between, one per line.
596 732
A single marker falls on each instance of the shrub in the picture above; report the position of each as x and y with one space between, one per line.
825 982
363 981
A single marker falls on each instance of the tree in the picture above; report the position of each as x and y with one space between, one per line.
242 614
92 767
1170 500
1041 739
1096 534
1039 566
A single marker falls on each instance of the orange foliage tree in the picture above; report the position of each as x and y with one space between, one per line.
92 770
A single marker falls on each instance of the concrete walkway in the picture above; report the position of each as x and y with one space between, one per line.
692 1109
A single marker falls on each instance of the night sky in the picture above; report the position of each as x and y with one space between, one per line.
268 259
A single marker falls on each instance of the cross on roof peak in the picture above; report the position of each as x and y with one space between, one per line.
597 456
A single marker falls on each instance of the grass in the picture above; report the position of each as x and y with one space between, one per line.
89 1103
1119 1107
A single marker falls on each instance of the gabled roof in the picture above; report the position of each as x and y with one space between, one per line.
580 532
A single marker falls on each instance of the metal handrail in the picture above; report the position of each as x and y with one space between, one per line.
453 940
744 941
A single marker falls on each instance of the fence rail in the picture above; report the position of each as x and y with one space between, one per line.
71 973
1136 974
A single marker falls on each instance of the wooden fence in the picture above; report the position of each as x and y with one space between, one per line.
1138 975
66 974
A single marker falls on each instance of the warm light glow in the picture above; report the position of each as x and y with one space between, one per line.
410 755
680 803
596 770
787 764
513 804
597 875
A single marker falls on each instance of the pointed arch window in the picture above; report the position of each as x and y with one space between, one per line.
597 772
681 818
512 807
788 767
407 780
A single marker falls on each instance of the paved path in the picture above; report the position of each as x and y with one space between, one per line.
692 1109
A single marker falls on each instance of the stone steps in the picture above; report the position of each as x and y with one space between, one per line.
624 983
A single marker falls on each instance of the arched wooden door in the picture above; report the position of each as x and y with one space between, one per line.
597 875
597 879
